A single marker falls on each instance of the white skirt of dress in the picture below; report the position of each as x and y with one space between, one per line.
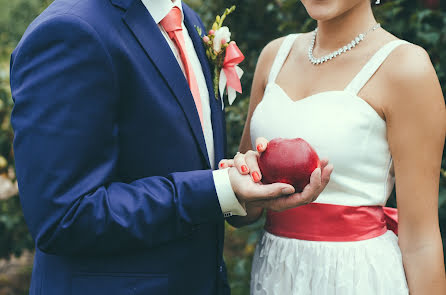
284 266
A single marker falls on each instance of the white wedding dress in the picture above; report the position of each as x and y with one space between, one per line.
345 129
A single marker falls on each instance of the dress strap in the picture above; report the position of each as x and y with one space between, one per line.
372 66
281 56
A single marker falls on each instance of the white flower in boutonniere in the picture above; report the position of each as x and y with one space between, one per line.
222 36
224 55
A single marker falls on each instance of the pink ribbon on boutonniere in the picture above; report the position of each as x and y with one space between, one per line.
231 72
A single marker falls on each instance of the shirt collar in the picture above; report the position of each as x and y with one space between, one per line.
160 8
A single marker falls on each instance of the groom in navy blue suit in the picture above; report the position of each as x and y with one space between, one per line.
115 150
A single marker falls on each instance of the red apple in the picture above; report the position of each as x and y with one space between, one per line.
288 161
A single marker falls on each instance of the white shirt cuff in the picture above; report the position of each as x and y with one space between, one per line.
228 201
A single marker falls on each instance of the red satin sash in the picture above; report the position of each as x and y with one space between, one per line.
336 223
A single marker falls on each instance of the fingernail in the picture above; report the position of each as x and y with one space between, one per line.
259 147
244 169
287 191
256 176
222 165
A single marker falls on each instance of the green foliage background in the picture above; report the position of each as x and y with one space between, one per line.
253 25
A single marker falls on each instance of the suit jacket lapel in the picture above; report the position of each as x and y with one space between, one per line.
148 34
217 115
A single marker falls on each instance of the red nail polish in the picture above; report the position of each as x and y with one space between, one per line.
256 176
259 147
222 165
244 169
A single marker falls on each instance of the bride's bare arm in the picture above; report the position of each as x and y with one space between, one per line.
260 80
416 124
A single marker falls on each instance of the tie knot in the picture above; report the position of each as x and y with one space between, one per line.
172 21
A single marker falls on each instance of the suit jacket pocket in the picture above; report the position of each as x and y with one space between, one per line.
119 284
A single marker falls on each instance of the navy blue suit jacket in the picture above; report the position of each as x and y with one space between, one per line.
113 172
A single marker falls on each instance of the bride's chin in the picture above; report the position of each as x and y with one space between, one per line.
325 10
322 15
321 10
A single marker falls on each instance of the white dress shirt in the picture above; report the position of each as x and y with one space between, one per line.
228 201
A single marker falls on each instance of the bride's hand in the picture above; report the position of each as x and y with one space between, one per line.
247 163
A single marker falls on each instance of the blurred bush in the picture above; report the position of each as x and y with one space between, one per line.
253 25
14 237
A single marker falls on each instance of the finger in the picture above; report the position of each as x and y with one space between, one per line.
225 163
315 178
251 160
289 202
240 164
326 173
261 144
313 189
324 163
271 191
283 203
308 195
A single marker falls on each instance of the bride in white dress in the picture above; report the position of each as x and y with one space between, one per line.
375 108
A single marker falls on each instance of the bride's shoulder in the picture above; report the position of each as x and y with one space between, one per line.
269 52
412 78
410 61
410 66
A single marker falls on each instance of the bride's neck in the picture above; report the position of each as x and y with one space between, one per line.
335 33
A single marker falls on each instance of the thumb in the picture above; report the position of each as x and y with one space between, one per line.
268 191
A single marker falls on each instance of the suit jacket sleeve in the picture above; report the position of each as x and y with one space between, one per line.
66 147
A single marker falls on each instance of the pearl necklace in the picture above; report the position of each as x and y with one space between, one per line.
349 46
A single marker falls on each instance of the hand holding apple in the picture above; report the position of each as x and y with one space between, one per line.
247 165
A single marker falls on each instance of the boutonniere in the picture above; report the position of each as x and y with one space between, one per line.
225 56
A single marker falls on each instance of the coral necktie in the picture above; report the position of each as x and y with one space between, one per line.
172 23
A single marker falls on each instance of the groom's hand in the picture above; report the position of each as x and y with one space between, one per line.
248 191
